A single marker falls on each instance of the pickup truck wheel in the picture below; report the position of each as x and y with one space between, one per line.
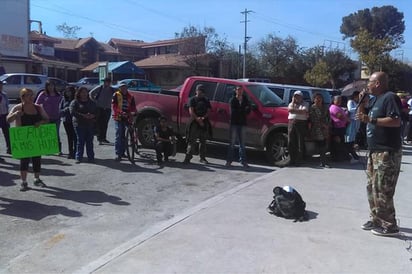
145 132
277 149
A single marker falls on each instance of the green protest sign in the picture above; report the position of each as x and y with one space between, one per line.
31 141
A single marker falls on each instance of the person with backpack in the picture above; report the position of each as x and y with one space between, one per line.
102 95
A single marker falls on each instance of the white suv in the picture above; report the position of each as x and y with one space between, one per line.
14 82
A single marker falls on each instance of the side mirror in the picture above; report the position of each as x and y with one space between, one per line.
253 106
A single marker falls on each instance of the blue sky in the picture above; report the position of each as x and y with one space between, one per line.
310 22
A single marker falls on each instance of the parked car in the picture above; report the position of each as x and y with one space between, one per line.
266 124
58 83
286 92
14 82
88 82
139 84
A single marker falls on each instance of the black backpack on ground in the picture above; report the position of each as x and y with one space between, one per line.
287 203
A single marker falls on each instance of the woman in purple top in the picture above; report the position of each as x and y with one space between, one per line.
50 99
340 119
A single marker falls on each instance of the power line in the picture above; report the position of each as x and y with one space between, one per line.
116 27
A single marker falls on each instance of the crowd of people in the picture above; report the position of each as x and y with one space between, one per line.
85 113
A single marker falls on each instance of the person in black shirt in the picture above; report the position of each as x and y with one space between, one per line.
164 138
27 113
239 109
199 127
385 153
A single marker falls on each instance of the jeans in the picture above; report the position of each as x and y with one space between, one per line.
119 141
197 132
237 133
84 136
57 123
103 117
71 138
163 147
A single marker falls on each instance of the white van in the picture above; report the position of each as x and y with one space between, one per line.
285 92
14 82
257 80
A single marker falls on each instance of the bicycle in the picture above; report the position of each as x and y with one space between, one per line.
131 138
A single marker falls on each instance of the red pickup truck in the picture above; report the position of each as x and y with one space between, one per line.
266 124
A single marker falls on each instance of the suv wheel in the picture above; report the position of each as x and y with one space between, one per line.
277 149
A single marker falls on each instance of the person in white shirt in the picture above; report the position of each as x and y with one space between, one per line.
297 128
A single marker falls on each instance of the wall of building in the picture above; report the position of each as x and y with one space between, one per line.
14 33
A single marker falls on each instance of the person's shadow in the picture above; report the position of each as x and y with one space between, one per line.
33 210
88 197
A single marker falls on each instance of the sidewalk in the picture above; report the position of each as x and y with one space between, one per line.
233 233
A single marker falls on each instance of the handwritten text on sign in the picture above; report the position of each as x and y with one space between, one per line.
30 141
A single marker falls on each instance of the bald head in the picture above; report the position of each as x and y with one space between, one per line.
378 82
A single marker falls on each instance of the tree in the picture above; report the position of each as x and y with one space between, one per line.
374 33
318 75
68 31
279 58
206 48
338 65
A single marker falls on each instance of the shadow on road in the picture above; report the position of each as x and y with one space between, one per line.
33 210
89 197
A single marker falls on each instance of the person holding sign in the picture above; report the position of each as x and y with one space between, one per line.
28 114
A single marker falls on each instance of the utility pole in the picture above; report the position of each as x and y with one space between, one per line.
246 12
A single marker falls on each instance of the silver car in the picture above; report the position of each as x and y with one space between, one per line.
14 82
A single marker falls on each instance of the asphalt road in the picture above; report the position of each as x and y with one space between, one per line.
89 209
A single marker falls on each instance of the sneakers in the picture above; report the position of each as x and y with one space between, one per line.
24 187
386 231
105 141
38 182
187 159
118 158
245 165
369 225
203 161
324 165
228 164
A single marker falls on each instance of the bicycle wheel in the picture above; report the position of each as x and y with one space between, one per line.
130 144
136 140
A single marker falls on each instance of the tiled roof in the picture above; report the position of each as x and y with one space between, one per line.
164 60
74 43
53 60
108 49
36 36
124 42
168 42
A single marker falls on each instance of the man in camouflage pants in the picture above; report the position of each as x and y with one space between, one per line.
385 153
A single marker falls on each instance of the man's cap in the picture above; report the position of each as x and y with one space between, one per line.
200 87
298 92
